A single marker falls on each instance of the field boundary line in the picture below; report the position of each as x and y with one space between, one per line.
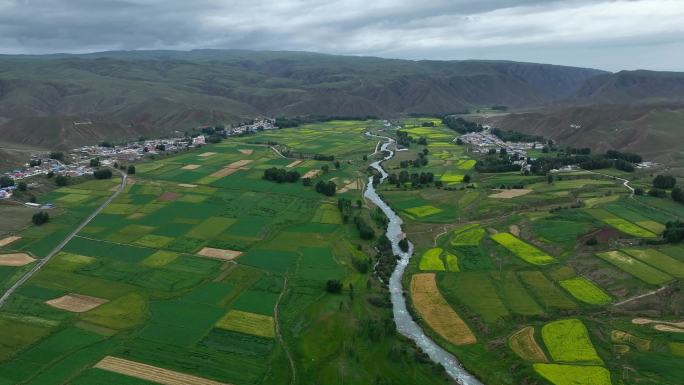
652 292
279 334
60 246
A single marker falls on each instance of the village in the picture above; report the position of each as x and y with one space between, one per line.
77 163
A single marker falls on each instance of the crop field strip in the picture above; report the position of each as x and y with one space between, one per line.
524 344
523 250
621 224
151 373
435 310
635 267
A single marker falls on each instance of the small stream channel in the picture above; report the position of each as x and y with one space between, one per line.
402 318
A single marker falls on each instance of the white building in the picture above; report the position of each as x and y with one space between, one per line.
198 140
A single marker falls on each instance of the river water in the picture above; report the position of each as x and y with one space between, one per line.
402 318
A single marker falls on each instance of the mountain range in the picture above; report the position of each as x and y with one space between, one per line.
59 101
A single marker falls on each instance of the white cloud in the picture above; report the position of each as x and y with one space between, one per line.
400 28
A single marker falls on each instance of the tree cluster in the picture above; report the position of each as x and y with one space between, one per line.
461 125
365 229
281 175
6 181
674 231
515 136
664 182
345 207
626 156
61 180
415 178
326 188
103 173
296 121
40 218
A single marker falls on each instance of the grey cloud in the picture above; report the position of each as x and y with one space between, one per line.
606 34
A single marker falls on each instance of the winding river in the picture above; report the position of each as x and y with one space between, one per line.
402 318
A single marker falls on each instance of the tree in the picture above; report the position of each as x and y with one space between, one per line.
664 182
677 195
95 162
306 181
50 174
160 147
6 181
333 286
57 155
466 178
35 162
591 241
325 168
459 141
102 173
404 245
674 231
324 188
639 191
658 193
281 175
130 170
337 164
22 186
61 180
40 218
549 178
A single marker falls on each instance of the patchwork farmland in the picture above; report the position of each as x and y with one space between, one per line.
554 269
204 272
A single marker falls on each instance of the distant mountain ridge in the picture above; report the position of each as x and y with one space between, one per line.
142 92
125 94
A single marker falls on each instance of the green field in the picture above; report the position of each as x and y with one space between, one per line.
568 342
635 267
218 273
523 250
585 291
160 303
574 374
431 260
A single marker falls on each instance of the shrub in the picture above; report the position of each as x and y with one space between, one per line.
333 286
103 173
40 218
6 181
664 181
61 180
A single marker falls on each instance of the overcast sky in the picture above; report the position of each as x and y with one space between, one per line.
610 35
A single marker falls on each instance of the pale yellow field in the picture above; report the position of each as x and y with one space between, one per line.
151 373
435 310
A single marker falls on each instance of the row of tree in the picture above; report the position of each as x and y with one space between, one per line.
461 125
415 178
281 175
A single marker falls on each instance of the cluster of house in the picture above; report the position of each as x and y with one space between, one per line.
79 159
483 141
